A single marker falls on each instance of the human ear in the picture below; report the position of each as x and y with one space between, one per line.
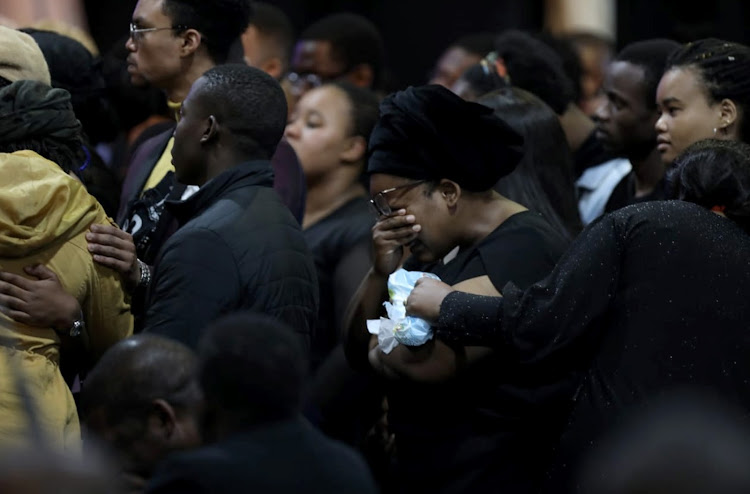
191 40
273 67
361 75
162 419
211 130
450 191
500 68
354 151
729 114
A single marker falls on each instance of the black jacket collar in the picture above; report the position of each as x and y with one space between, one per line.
249 173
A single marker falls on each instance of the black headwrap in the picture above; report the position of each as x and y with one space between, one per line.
428 132
34 110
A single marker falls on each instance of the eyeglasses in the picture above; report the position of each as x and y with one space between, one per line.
136 33
301 83
488 64
379 202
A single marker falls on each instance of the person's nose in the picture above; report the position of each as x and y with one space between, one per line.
661 124
292 130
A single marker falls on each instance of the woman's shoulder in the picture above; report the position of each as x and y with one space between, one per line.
526 227
345 227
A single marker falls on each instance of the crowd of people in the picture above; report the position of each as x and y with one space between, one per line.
198 232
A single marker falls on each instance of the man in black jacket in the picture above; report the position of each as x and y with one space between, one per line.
252 372
238 247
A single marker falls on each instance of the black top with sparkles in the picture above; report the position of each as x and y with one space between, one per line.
649 297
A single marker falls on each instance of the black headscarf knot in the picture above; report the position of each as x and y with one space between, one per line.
428 132
32 109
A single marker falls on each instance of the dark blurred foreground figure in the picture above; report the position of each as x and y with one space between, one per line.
687 442
252 370
138 412
42 472
649 297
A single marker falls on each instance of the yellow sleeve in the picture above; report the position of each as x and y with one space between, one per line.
106 311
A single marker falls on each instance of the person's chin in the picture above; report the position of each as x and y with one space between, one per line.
668 156
180 177
607 143
419 252
136 78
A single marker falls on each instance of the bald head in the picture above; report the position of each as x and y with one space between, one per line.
132 373
143 401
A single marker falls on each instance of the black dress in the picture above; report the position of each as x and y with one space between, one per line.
650 297
341 402
474 433
340 244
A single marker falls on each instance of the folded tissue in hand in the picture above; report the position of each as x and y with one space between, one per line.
398 327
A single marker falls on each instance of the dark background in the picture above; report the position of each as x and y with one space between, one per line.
417 31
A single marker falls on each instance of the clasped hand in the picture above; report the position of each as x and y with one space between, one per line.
425 299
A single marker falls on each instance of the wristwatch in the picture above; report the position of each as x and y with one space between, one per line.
76 328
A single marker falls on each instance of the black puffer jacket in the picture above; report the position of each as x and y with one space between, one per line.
238 248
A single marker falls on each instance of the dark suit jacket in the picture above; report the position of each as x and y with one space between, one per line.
285 457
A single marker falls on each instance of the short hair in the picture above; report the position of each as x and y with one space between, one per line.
130 376
220 22
250 103
272 22
714 172
724 68
479 44
354 41
651 55
252 366
535 67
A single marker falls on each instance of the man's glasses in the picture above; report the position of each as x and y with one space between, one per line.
301 83
488 63
380 203
136 33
